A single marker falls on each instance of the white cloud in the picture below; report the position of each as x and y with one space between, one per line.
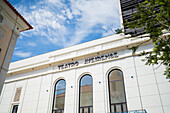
33 7
93 13
16 48
22 54
66 25
55 1
61 17
32 44
69 14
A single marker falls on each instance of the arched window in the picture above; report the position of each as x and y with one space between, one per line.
59 96
117 92
86 94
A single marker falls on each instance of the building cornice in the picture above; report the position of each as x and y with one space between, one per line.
81 51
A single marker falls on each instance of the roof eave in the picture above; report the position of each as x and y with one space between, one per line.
17 13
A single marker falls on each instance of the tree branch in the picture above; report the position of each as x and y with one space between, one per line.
159 20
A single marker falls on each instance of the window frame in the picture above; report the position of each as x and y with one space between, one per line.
109 90
54 95
80 92
12 109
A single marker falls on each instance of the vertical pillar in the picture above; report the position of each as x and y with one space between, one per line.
7 59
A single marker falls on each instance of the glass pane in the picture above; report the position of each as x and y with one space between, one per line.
85 110
81 110
15 109
60 101
61 84
59 95
91 109
86 99
86 80
115 75
124 107
86 96
118 108
112 108
117 93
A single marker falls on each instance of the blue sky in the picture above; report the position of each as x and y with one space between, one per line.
63 23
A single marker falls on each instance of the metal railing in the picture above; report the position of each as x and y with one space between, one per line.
86 109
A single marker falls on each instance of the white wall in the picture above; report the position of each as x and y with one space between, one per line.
148 89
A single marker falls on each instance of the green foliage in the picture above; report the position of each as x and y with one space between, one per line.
154 16
134 48
118 31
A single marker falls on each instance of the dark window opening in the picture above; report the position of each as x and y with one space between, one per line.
15 109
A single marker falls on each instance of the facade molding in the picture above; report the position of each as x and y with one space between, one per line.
52 72
74 54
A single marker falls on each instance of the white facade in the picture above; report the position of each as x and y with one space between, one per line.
145 86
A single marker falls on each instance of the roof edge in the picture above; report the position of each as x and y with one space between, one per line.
17 13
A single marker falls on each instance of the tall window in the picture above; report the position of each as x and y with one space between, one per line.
86 94
15 109
117 91
59 96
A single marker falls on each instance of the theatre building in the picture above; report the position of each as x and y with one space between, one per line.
100 76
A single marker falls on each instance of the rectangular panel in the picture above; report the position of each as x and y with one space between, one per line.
17 94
